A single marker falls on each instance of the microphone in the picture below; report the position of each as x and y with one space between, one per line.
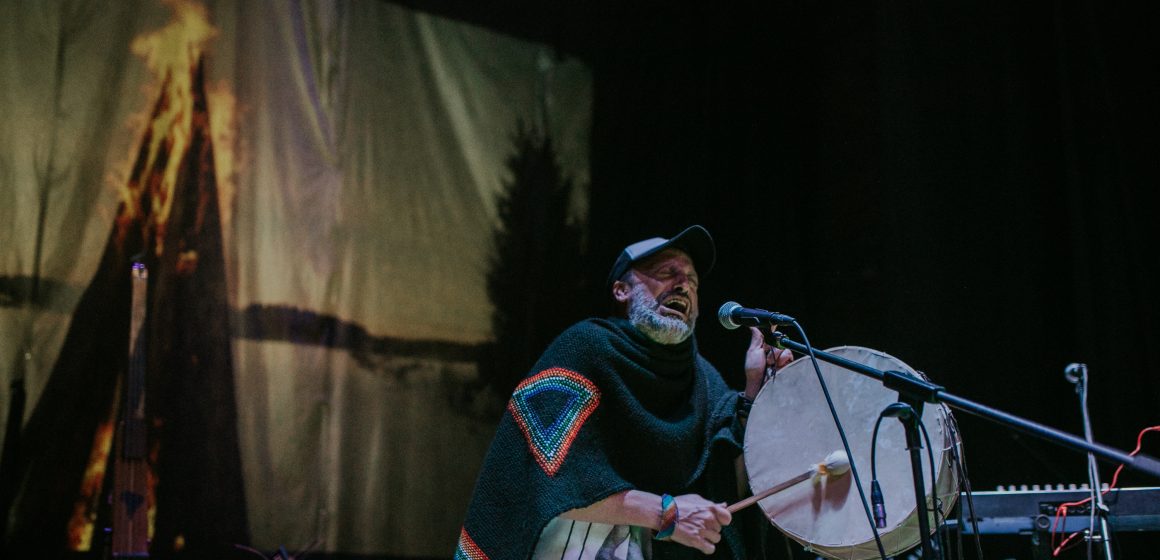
732 315
1075 373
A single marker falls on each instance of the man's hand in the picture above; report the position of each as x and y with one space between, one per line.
760 357
699 522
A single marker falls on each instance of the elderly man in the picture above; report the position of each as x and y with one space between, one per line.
623 441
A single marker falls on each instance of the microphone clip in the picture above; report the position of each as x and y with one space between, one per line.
1075 373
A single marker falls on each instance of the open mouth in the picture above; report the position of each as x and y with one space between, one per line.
676 304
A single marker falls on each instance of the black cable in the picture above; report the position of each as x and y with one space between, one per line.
920 508
845 443
875 490
935 501
959 533
953 438
965 481
874 447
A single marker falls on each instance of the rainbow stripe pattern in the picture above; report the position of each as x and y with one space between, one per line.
467 549
551 407
669 516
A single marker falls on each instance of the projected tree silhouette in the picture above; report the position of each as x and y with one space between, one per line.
536 277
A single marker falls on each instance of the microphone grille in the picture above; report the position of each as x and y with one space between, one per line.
725 315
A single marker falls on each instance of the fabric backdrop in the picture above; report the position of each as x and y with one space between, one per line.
359 149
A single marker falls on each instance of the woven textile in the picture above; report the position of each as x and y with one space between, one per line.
604 410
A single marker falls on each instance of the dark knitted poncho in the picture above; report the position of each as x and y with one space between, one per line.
604 410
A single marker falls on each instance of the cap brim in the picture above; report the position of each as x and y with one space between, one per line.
694 241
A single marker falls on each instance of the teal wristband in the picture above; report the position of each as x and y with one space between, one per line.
669 516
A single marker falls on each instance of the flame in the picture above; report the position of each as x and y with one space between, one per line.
84 516
147 180
229 158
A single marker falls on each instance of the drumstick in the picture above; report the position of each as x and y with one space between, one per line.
836 464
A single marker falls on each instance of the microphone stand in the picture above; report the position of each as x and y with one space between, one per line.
1098 508
914 390
909 413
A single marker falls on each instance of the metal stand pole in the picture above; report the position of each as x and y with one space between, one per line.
1077 374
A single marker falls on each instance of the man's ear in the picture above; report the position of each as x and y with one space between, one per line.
621 291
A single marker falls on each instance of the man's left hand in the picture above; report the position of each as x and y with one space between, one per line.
761 360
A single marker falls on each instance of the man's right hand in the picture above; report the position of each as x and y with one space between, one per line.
699 522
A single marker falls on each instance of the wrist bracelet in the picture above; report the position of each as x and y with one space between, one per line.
669 516
744 405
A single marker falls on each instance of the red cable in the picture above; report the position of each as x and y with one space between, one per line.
1061 511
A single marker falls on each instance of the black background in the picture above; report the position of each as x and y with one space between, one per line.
966 187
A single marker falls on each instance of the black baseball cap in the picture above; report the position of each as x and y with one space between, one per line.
695 241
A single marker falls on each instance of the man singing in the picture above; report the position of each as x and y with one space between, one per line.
623 441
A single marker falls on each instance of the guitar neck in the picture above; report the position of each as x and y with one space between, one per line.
130 524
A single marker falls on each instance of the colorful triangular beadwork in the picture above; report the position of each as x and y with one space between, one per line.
550 407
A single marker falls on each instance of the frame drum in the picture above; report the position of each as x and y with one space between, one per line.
790 430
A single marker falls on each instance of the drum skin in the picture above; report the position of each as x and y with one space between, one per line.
791 430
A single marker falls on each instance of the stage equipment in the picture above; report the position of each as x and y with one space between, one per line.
732 315
915 390
1026 511
790 425
1077 374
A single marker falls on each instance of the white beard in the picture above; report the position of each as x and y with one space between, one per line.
643 314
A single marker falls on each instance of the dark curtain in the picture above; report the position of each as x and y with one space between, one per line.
968 187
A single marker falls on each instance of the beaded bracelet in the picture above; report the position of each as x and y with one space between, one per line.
669 516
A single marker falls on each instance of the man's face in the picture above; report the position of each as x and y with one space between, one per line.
661 296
